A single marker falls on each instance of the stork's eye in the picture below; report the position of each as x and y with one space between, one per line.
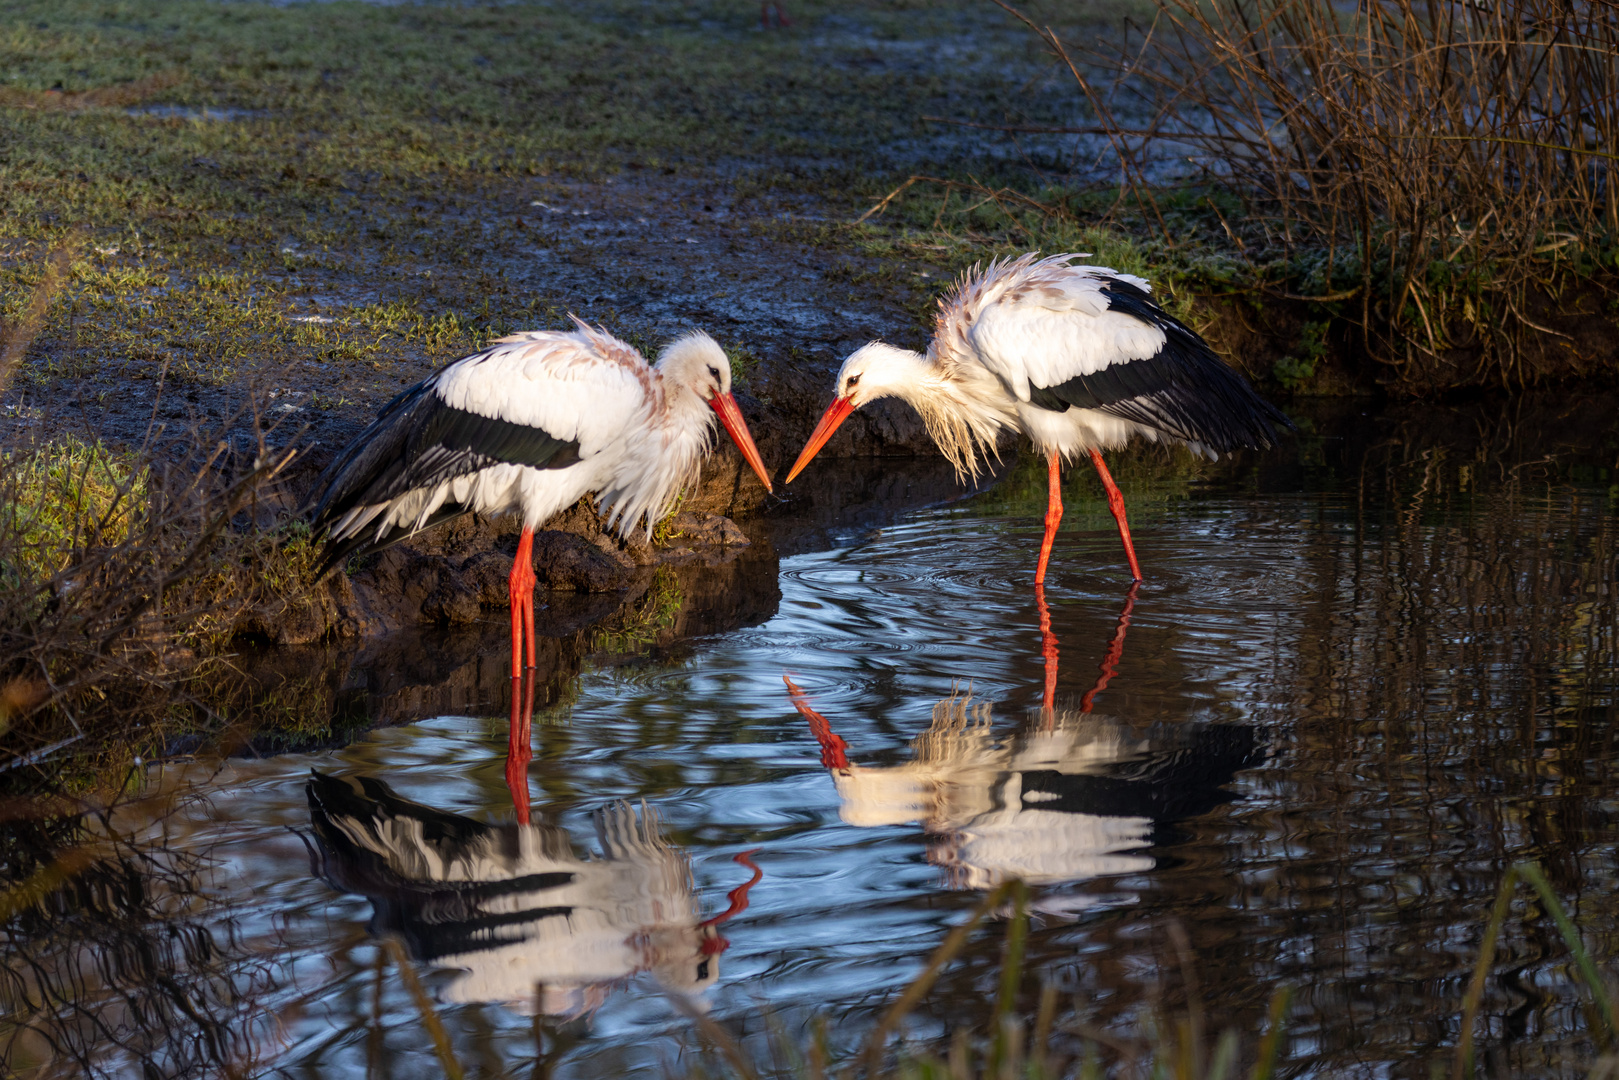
714 371
853 381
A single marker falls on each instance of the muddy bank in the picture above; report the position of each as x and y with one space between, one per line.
454 575
339 687
1293 348
398 664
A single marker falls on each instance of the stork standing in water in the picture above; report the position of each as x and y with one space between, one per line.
1078 358
528 426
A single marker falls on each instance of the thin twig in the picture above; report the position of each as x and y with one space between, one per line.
19 335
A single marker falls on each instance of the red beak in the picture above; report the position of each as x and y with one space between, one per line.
834 751
737 428
836 413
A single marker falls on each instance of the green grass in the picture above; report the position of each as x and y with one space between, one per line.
348 88
366 146
61 499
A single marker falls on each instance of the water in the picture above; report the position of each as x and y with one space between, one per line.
1362 679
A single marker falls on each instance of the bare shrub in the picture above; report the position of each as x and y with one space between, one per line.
122 573
1435 168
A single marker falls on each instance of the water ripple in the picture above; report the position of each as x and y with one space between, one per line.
1311 739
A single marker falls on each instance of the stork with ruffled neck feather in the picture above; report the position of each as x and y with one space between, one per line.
1079 358
528 426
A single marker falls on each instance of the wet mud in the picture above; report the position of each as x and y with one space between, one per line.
413 654
649 256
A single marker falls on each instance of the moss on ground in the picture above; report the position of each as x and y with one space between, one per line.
61 499
263 183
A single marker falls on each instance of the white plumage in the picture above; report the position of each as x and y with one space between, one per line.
582 385
1069 798
1078 358
1049 335
513 906
529 426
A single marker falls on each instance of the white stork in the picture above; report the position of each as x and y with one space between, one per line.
1078 358
528 426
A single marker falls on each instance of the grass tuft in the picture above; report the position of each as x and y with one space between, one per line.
61 500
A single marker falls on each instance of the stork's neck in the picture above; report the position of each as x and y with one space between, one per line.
686 423
963 406
662 458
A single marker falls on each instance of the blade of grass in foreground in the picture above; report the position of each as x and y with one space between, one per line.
920 986
1571 937
1271 1045
430 1016
1463 1065
1017 932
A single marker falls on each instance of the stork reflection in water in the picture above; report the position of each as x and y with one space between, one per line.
528 922
1067 797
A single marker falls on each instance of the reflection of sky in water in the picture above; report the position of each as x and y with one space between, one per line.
1380 779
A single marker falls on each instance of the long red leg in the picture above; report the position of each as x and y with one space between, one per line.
522 596
1048 646
1115 650
517 626
1115 503
528 623
520 745
1053 516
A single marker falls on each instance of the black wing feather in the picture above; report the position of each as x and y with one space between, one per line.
1184 390
417 441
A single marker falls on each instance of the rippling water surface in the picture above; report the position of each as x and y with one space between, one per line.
1351 692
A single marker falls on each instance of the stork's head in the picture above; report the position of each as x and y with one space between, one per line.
695 364
871 372
876 371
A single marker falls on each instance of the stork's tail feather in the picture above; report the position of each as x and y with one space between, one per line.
366 541
1186 390
379 446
